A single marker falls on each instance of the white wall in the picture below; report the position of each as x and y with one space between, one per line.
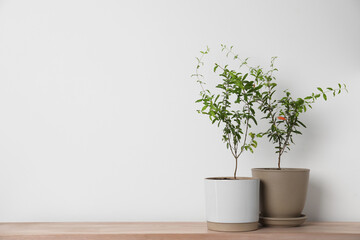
97 113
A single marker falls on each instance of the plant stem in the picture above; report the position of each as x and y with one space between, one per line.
232 149
246 133
236 165
286 143
279 155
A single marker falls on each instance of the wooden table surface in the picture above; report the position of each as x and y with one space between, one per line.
170 230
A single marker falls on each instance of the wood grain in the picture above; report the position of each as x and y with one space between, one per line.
171 230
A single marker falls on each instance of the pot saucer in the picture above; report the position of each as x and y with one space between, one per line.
282 222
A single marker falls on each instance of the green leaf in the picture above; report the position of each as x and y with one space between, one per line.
253 119
216 66
324 96
252 111
302 124
320 89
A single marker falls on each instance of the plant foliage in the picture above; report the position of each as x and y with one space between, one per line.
233 108
283 114
241 92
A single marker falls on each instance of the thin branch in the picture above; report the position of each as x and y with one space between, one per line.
246 133
231 147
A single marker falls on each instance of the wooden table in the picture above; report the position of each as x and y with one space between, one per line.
171 231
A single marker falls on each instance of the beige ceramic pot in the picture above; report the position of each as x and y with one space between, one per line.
282 191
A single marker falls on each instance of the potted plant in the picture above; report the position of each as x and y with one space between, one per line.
232 203
283 190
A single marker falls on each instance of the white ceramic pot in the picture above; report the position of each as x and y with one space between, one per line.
232 204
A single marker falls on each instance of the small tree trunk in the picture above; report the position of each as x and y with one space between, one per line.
279 161
236 165
280 150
